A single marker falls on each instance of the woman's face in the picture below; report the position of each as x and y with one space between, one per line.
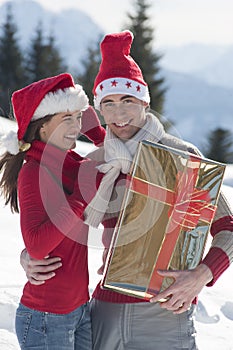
62 130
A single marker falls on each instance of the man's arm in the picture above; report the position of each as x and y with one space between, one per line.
189 283
39 271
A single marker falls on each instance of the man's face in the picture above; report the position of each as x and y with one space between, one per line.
125 115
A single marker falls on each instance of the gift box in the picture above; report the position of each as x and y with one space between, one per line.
168 207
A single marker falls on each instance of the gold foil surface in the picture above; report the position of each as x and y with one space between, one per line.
143 235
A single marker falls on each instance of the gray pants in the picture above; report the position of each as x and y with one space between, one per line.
141 326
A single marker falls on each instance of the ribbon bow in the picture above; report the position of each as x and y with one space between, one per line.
189 204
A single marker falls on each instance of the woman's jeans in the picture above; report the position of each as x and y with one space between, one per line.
47 331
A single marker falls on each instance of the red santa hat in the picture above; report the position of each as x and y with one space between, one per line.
47 96
118 72
50 96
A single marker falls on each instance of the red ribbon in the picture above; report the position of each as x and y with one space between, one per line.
190 204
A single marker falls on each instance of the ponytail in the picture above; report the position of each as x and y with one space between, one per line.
10 165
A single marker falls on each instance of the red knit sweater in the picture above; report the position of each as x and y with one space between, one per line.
51 203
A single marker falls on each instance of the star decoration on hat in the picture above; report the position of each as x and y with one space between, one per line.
138 88
128 84
101 87
114 83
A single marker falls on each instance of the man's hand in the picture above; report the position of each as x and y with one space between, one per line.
38 271
100 271
187 285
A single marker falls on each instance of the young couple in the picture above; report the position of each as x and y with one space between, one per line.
58 198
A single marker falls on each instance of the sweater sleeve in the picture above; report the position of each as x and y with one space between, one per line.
220 254
44 223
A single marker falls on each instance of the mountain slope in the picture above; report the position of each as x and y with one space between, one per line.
197 107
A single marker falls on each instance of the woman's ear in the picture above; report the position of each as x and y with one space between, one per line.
42 132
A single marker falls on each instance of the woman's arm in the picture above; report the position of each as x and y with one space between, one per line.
44 222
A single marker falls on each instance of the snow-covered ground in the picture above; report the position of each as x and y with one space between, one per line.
214 317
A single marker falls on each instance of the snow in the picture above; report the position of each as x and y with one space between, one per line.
214 317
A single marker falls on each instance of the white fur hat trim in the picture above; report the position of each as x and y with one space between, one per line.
120 85
69 99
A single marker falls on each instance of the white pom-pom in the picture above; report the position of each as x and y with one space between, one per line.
10 142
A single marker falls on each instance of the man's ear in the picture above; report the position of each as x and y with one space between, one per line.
101 113
145 104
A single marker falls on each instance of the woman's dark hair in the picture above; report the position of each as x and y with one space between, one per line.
10 165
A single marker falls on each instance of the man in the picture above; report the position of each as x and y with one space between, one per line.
123 322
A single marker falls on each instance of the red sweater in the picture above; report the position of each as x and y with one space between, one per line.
51 223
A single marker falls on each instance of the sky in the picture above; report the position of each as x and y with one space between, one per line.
214 316
176 22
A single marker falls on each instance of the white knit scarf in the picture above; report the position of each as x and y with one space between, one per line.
118 157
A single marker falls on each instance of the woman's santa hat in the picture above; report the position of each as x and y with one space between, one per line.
45 97
118 72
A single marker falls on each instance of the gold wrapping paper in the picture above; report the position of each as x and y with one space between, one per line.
165 218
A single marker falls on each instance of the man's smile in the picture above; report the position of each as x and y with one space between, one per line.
122 124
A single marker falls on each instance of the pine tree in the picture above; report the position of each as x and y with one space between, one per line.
35 61
220 145
55 62
12 74
91 65
43 59
142 52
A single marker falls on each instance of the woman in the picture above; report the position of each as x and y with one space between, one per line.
52 185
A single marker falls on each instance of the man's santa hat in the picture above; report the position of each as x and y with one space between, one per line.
118 72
